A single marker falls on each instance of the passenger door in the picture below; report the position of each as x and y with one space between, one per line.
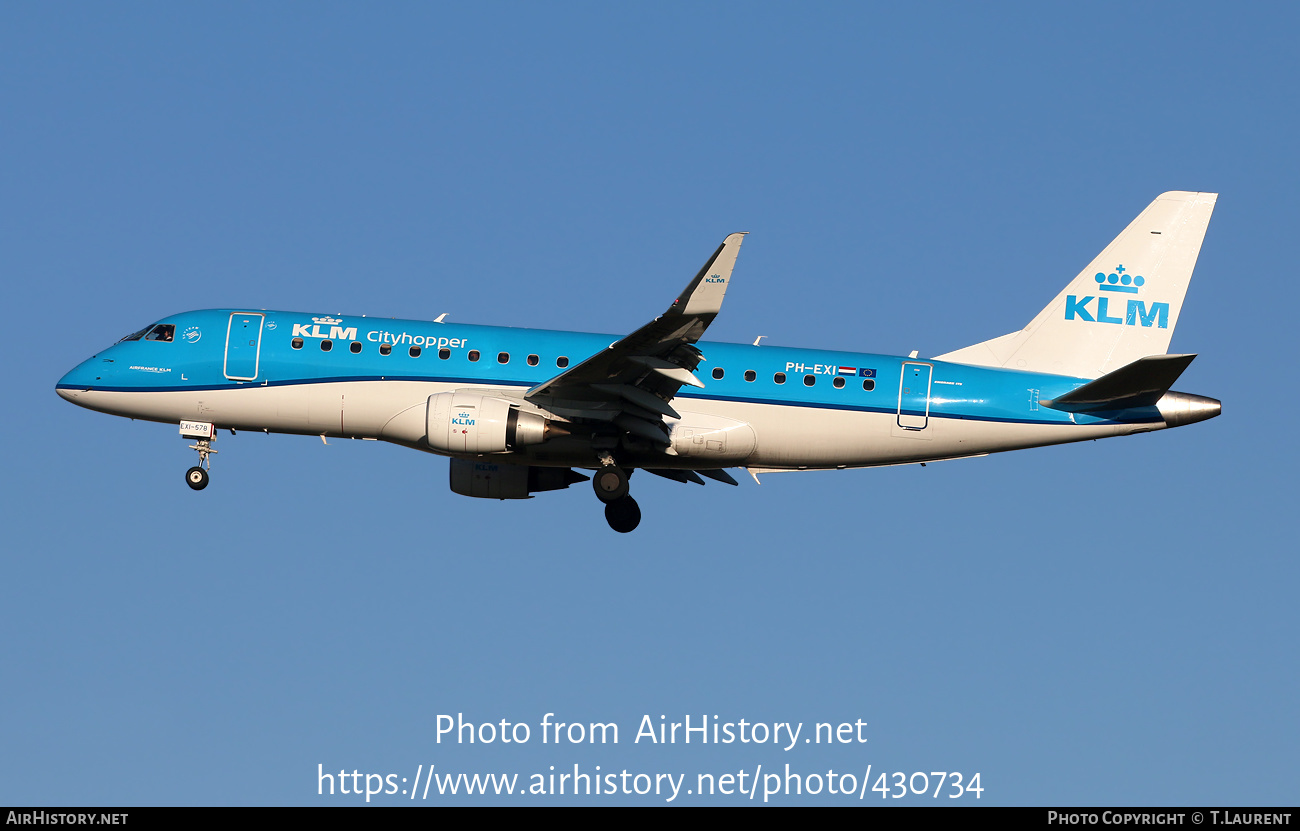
243 345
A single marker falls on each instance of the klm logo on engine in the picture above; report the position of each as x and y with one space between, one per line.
463 419
1117 282
317 329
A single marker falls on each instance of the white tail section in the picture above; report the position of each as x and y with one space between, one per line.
1122 307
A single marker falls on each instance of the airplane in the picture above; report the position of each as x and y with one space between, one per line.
521 411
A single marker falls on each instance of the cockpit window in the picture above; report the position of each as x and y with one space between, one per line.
161 331
136 335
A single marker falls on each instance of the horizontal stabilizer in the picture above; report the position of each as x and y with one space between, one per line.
1140 384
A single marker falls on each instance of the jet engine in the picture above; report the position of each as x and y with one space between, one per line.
466 422
491 480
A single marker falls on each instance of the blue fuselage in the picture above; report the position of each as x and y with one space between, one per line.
363 377
291 349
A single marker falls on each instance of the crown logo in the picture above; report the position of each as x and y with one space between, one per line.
1119 280
326 321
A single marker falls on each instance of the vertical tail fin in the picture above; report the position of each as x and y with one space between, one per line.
1122 307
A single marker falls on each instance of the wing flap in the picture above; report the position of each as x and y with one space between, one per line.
719 476
639 397
676 475
671 371
645 428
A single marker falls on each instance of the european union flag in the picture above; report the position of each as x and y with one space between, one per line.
863 372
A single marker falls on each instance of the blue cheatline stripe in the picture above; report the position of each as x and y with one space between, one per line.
774 402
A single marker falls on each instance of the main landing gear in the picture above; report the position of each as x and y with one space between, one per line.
623 515
197 476
610 483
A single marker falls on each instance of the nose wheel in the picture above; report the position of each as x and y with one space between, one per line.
197 476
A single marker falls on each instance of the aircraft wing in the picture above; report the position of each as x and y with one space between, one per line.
631 383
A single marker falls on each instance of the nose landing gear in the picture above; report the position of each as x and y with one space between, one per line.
197 476
610 483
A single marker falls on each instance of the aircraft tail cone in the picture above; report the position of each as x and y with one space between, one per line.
1179 408
556 430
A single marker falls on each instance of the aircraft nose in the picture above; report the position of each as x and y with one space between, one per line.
76 381
67 386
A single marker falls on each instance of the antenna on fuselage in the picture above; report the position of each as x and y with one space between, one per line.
440 318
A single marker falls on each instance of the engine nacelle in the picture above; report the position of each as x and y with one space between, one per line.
466 422
491 480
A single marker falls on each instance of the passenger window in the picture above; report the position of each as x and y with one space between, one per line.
838 383
385 349
868 385
473 355
718 373
809 380
296 343
503 357
415 351
779 377
532 360
444 354
750 375
326 345
355 347
561 362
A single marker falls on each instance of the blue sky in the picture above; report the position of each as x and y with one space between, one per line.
1110 622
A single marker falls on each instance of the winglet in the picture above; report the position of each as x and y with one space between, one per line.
703 296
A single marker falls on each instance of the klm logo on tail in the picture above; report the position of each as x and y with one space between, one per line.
1118 282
